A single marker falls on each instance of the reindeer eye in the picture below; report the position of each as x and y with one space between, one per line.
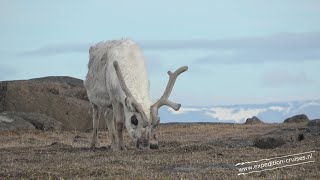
134 120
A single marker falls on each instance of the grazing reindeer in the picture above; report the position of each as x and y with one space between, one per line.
117 83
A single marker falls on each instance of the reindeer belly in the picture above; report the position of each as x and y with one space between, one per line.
99 97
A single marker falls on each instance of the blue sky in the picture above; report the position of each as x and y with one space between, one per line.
238 52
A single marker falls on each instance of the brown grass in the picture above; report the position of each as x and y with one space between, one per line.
187 151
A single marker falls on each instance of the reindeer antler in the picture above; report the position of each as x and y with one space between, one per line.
127 92
164 98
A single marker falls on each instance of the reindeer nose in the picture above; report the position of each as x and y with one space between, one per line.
144 144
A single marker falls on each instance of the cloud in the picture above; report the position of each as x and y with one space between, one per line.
284 41
55 49
280 78
279 47
312 103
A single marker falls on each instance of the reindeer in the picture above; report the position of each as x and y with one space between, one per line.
118 87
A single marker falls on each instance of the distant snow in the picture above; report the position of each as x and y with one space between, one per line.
271 112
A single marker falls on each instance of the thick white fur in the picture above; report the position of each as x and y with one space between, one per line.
102 78
102 82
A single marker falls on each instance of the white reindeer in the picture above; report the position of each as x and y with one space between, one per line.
117 83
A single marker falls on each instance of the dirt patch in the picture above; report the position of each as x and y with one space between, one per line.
184 168
231 142
194 148
169 144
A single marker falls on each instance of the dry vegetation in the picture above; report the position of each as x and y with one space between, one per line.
191 151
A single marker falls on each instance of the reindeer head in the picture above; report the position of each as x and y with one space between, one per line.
146 137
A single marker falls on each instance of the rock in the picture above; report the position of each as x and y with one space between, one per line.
280 137
297 119
253 120
10 122
39 121
62 98
20 120
268 142
315 122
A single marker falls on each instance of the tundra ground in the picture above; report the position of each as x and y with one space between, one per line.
186 151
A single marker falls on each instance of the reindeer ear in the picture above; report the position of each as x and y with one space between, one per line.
128 103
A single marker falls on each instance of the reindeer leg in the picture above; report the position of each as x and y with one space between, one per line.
119 120
96 117
111 129
109 119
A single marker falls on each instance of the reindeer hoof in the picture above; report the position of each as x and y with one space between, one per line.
123 148
93 146
154 145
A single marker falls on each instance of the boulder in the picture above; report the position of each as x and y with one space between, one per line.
39 121
297 119
280 137
268 142
253 120
61 98
315 122
10 122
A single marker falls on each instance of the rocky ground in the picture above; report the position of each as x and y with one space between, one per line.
191 151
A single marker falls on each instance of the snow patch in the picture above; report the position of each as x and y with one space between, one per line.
279 109
237 115
185 110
